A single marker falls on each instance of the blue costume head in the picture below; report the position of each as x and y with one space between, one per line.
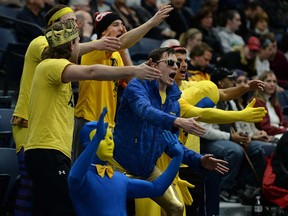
106 146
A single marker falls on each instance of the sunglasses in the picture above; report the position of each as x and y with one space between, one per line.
170 62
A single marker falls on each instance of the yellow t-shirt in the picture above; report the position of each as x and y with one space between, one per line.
94 95
32 59
198 76
51 108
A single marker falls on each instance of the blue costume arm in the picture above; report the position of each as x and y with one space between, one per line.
80 167
140 103
141 188
190 158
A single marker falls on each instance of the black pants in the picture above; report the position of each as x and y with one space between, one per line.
49 170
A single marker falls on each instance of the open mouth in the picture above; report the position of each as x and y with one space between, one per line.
183 71
172 75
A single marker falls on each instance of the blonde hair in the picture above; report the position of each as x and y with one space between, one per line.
189 34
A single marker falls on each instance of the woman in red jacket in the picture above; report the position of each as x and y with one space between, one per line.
274 122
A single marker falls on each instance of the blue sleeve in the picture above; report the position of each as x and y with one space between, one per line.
138 98
141 188
80 168
190 158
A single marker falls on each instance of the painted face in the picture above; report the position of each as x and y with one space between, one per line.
116 29
182 69
106 147
270 84
69 16
168 66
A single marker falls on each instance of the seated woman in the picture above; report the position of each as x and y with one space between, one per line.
274 122
95 189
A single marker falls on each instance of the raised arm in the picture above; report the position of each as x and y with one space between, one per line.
110 44
142 188
103 72
131 37
80 167
236 92
218 116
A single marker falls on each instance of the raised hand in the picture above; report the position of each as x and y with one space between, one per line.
101 127
255 84
161 14
109 43
173 143
211 163
144 71
251 114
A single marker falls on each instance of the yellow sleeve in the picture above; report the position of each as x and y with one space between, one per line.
218 116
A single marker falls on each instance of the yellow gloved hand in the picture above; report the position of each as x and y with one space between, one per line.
183 186
252 114
219 116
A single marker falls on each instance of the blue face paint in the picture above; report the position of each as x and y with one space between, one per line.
205 103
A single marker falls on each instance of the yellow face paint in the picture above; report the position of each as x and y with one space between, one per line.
106 147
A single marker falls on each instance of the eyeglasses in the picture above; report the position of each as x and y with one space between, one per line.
170 62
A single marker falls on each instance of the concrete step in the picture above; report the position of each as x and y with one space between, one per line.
234 209
237 209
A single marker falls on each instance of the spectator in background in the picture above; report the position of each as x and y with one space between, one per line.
274 122
278 63
227 143
260 25
244 58
265 53
103 6
32 12
190 39
181 18
80 5
200 57
247 14
204 22
170 43
85 25
229 39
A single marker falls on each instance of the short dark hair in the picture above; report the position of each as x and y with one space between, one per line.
156 54
200 49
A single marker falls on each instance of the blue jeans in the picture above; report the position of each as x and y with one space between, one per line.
233 153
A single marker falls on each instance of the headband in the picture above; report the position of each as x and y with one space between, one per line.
59 14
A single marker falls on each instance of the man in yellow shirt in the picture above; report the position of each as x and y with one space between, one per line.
95 95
